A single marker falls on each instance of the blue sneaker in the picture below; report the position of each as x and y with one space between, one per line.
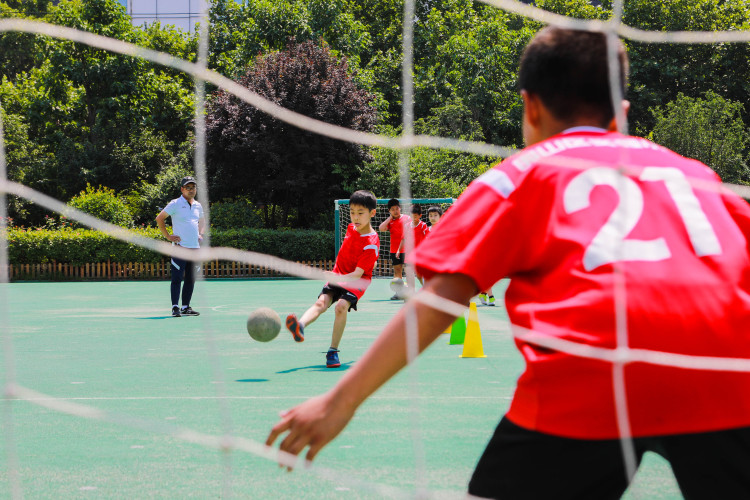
294 326
332 358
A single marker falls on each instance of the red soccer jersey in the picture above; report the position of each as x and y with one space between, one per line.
421 231
357 250
680 244
396 228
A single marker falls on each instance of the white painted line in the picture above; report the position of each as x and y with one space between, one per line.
198 398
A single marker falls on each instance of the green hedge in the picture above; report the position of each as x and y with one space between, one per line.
81 246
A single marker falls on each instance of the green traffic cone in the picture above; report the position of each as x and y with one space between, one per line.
458 331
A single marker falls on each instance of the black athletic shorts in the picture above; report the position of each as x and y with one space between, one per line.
336 293
523 464
397 260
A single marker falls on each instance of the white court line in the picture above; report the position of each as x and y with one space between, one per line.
196 398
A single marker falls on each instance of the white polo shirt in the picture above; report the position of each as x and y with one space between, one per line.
185 219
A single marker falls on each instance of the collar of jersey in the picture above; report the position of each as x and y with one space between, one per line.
573 130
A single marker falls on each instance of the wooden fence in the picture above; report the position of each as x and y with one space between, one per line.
138 270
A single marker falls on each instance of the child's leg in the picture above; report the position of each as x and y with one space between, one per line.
320 306
339 322
398 271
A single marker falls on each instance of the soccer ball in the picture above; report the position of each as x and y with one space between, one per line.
263 324
398 287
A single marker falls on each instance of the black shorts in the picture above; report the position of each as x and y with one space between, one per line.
397 260
336 293
519 463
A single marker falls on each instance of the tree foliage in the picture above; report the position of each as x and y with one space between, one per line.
708 129
661 71
250 152
77 115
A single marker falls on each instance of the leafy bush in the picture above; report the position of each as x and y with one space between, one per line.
75 246
80 246
102 203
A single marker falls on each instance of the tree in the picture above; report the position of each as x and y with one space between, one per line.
80 115
276 164
660 71
708 129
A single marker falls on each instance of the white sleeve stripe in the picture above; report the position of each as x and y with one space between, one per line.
372 247
498 181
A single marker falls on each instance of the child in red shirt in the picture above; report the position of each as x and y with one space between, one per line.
356 259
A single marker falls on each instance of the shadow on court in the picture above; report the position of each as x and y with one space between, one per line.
252 380
319 368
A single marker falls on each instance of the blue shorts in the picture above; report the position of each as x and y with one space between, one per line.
336 293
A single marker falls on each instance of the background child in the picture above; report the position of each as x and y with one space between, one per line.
421 230
486 297
356 259
394 224
434 214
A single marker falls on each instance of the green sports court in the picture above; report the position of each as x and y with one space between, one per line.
113 347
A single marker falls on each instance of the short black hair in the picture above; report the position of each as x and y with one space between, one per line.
364 198
393 202
434 210
416 209
569 71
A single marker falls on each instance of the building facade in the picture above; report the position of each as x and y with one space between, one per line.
183 14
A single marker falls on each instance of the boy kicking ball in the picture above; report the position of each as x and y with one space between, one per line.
356 260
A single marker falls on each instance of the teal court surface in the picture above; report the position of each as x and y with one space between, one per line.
113 348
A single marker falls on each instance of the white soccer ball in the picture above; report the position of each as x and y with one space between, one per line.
398 287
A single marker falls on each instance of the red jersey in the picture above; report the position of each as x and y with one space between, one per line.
680 244
396 228
357 250
421 231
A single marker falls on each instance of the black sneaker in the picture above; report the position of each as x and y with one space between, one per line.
332 358
176 312
188 311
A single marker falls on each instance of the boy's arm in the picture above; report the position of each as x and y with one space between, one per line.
317 421
383 227
356 274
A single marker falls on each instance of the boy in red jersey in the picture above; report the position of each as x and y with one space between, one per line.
395 224
420 229
356 260
617 243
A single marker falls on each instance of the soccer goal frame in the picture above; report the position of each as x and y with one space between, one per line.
383 268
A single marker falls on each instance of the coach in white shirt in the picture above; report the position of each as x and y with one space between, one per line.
188 225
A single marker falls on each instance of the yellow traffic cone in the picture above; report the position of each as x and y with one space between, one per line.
448 330
458 331
473 341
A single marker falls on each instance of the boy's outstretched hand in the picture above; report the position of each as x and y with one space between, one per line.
313 423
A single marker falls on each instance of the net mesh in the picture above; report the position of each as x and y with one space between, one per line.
227 442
